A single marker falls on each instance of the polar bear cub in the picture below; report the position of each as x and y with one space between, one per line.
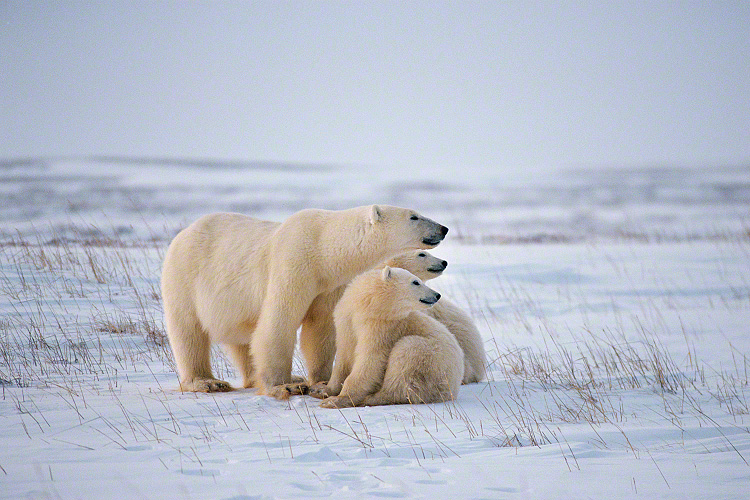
391 353
249 284
425 266
420 263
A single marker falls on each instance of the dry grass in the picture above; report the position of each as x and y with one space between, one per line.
78 306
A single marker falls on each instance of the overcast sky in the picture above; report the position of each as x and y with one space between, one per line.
452 86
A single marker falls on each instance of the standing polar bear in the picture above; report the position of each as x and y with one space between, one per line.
389 352
249 284
425 266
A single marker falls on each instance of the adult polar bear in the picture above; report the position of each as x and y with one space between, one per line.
249 284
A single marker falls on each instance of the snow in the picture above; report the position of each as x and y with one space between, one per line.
618 350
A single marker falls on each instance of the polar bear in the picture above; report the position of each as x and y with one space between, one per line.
391 353
425 266
420 263
249 284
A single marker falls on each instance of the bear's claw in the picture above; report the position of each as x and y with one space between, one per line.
284 391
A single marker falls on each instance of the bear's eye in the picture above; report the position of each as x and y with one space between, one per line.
414 217
415 282
423 254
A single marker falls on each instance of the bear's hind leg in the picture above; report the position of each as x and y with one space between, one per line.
191 347
243 362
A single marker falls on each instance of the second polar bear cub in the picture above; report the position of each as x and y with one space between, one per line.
398 355
425 266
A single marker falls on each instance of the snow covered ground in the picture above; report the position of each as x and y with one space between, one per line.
614 307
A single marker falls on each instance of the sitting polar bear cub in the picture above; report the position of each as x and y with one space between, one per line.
249 284
388 352
425 266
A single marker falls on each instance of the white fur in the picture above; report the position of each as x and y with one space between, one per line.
463 328
389 352
249 284
420 263
426 267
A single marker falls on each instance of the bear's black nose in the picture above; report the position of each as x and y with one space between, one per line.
437 296
443 230
445 264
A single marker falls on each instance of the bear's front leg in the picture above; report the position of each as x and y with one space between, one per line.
365 378
318 336
273 345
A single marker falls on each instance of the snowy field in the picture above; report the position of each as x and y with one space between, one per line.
614 306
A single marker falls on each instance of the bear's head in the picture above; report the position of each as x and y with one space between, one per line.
404 228
420 263
391 294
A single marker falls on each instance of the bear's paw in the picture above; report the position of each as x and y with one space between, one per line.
320 390
338 402
284 391
207 385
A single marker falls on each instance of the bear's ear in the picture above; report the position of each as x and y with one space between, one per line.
386 273
374 214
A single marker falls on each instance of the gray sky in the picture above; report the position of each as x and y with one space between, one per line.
452 86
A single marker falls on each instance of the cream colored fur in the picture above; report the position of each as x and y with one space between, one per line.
426 267
249 284
391 353
463 328
420 263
